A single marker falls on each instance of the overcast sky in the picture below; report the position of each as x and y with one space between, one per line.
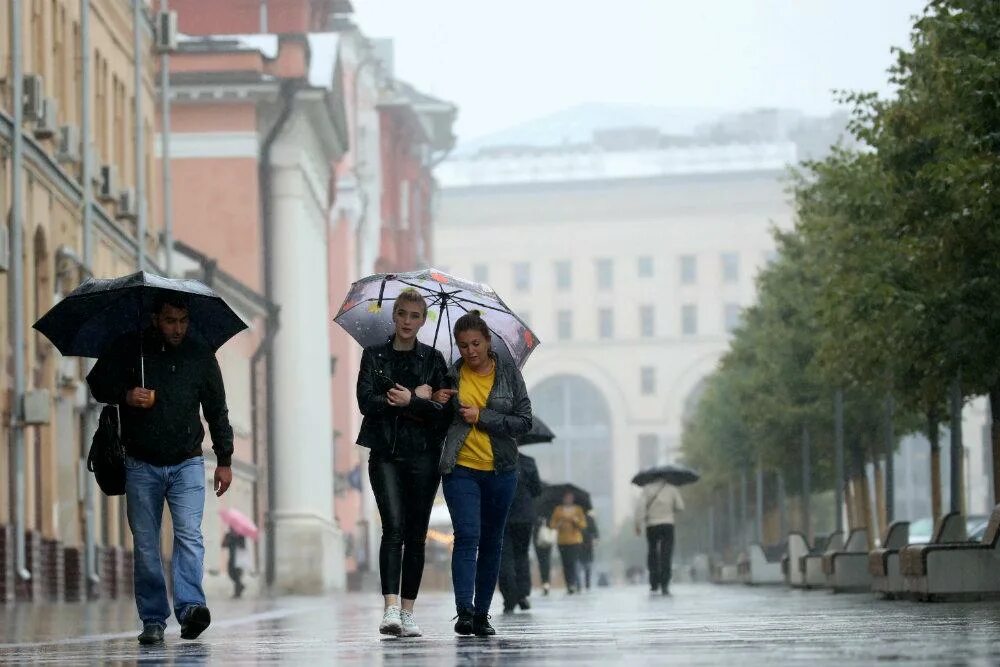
507 61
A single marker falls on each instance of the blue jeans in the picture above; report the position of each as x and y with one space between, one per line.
478 502
182 486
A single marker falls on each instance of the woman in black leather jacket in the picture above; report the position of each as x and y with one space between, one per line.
404 425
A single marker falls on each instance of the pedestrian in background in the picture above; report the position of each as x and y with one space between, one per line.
236 545
545 539
590 539
515 568
656 510
569 521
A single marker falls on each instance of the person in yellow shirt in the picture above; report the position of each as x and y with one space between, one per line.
569 521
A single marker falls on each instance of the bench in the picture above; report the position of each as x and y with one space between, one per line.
760 566
883 563
797 549
955 570
846 570
812 564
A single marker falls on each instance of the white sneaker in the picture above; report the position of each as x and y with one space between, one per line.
391 623
410 627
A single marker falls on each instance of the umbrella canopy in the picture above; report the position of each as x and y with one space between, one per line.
239 522
552 495
671 474
539 433
367 312
100 311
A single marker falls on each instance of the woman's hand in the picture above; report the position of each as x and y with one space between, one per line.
399 396
470 413
424 391
444 395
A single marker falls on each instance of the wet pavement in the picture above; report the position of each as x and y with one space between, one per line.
700 624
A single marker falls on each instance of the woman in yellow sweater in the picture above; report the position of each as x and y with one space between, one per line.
479 467
570 521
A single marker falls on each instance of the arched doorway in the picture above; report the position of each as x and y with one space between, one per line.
578 414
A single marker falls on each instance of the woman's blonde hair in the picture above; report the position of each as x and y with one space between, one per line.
411 295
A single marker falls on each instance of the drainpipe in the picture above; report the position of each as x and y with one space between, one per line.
140 162
287 94
16 297
168 181
87 192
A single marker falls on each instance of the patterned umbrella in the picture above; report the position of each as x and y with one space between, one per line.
367 312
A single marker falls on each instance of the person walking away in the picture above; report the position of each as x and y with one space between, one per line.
515 568
544 540
656 511
479 467
403 426
236 545
569 521
159 397
590 539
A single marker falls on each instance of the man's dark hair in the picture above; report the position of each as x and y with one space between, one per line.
173 299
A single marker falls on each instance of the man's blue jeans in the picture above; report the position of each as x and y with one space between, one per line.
182 486
478 502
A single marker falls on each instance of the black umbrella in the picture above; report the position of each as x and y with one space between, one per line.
539 433
100 311
671 474
552 496
367 313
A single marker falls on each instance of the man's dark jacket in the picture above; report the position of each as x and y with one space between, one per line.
419 426
185 378
529 486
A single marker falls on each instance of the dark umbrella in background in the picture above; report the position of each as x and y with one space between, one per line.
100 311
552 495
367 312
671 474
540 433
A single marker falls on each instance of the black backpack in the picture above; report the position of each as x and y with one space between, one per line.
107 454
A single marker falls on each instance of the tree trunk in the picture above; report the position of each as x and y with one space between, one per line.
866 508
880 499
851 504
934 436
995 440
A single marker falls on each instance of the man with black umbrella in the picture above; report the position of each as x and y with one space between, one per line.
656 511
515 569
160 381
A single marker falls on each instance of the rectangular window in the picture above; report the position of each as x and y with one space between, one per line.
689 319
730 268
605 323
647 321
564 275
480 273
647 380
564 324
732 315
649 450
522 276
645 266
689 269
605 274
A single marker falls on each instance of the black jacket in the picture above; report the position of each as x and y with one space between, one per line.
529 486
401 431
185 378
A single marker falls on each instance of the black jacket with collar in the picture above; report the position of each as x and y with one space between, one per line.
401 431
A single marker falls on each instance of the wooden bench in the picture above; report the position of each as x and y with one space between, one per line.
956 570
883 563
812 564
846 570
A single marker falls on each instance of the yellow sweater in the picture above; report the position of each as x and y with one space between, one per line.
474 389
569 521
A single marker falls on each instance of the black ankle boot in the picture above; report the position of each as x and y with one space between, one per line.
481 625
464 625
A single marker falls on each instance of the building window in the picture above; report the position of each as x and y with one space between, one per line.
649 450
647 380
480 273
647 321
564 324
605 323
689 319
732 315
689 269
564 275
645 266
605 274
522 276
730 268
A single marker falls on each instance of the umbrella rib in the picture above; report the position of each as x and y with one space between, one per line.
462 306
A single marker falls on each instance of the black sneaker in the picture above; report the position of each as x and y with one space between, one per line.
152 633
463 625
524 604
481 625
196 621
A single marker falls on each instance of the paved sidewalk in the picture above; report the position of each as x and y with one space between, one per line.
698 625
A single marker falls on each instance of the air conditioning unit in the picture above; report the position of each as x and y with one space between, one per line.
166 32
34 97
127 208
69 144
106 180
46 127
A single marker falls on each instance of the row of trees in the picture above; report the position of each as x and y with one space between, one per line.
881 314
